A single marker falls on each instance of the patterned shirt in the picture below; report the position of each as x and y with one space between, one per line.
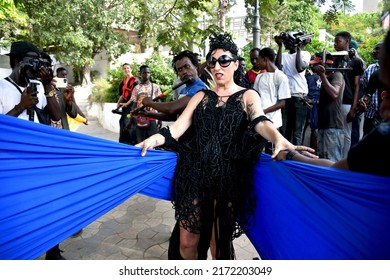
145 90
374 105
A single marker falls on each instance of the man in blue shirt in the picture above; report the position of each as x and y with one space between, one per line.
186 67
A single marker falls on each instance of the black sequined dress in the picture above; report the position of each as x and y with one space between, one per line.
213 183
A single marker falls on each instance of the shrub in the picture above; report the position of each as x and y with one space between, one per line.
100 92
107 90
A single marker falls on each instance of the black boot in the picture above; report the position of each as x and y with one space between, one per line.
54 254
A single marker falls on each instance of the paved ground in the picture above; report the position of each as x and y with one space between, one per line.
137 229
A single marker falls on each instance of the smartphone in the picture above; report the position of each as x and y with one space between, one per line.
61 82
32 88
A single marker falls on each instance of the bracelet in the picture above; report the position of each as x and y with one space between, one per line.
291 154
19 108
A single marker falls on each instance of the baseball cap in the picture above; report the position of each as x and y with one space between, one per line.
22 47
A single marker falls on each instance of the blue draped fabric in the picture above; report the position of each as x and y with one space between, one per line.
54 182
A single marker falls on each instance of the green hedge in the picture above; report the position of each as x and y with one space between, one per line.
107 90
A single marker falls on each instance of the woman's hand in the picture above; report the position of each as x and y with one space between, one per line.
151 142
284 145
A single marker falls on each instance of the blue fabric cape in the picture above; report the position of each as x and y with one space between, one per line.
54 182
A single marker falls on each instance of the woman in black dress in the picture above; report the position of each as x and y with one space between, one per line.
225 130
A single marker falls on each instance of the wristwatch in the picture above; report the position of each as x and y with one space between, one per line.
50 94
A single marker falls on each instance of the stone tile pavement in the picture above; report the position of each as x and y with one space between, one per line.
138 229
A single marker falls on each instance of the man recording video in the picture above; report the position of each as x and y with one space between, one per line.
293 64
21 94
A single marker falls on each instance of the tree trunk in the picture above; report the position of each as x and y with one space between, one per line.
222 12
86 79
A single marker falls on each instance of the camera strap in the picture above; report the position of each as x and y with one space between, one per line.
31 115
12 82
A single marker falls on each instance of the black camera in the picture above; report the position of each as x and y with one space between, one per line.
294 38
30 66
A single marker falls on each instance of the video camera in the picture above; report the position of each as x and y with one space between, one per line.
294 38
30 66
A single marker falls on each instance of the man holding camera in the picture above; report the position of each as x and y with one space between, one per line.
21 95
294 64
352 83
330 117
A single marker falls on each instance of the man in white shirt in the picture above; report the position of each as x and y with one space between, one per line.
17 96
294 64
273 87
21 95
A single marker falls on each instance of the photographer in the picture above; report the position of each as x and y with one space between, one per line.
330 117
352 83
294 64
19 100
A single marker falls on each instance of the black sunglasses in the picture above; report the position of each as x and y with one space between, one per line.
224 61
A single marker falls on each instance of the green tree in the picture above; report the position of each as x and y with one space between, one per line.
77 30
278 16
385 6
176 23
13 23
365 28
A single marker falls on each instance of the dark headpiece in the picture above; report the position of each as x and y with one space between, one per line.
223 41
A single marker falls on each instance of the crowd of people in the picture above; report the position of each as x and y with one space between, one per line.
223 117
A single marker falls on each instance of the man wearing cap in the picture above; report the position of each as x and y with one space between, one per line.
15 100
14 97
330 114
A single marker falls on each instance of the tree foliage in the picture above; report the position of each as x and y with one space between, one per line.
77 30
176 23
13 23
335 8
365 28
279 16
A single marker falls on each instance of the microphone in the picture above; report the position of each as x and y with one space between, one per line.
31 89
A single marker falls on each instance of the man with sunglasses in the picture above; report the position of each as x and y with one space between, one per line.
185 65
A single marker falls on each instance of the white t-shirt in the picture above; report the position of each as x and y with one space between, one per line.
10 96
297 80
272 86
